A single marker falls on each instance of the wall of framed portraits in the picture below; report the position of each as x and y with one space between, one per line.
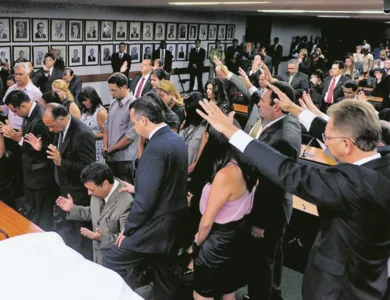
85 37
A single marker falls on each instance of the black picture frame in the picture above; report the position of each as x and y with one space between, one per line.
172 48
147 31
190 46
221 32
106 30
203 32
193 32
5 55
91 30
147 54
17 58
213 30
209 47
62 53
135 53
182 32
75 31
40 30
5 30
171 31
91 55
106 59
181 55
230 32
76 61
38 57
21 29
159 34
121 35
58 30
134 36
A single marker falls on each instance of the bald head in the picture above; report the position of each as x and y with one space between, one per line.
55 117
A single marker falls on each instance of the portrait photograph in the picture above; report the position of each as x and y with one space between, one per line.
209 47
181 53
193 32
160 32
106 30
21 54
91 30
221 32
230 32
5 56
91 55
5 30
135 53
172 48
156 46
61 53
58 30
40 29
39 55
190 47
147 31
135 31
212 32
121 31
171 31
106 54
182 32
203 34
75 55
75 31
21 30
147 50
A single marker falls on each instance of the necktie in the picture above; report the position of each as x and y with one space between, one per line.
102 204
140 87
256 128
291 79
162 56
56 171
329 98
197 50
121 55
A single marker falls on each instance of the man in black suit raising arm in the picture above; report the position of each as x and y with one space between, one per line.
349 257
121 61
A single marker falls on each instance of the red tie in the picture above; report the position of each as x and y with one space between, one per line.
139 90
330 91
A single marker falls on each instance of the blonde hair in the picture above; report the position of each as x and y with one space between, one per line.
304 51
63 86
168 87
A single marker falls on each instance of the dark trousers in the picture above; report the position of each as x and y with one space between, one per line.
198 73
276 67
161 266
265 275
39 206
123 170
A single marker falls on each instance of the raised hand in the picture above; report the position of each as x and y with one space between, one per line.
248 84
362 96
308 102
66 204
35 142
124 67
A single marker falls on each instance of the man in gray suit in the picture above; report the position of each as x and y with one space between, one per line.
298 80
108 209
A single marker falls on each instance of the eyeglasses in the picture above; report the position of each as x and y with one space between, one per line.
324 138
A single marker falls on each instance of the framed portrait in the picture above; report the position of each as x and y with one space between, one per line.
91 55
39 55
147 51
21 30
183 28
230 32
91 30
106 54
106 30
189 48
21 54
5 30
75 55
171 31
212 32
61 53
221 32
135 31
58 30
181 53
203 34
159 35
75 32
135 53
193 32
147 31
40 30
172 48
121 31
209 47
156 46
5 56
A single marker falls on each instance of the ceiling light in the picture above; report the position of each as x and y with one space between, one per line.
324 16
293 11
217 3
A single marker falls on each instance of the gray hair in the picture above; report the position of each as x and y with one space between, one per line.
293 62
23 65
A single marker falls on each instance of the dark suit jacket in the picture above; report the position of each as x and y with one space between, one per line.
75 87
268 62
40 37
37 168
116 63
300 83
168 59
338 89
276 54
78 151
45 82
272 205
156 218
134 82
197 58
349 257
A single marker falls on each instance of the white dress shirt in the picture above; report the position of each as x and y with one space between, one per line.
155 130
335 84
115 185
64 132
144 83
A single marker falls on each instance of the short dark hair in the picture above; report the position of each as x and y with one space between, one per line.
284 87
68 70
122 43
90 93
51 97
160 74
147 107
56 110
235 41
276 39
340 63
11 77
97 173
16 98
319 73
119 79
350 84
261 56
51 55
197 41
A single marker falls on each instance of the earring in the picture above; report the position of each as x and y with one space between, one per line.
171 101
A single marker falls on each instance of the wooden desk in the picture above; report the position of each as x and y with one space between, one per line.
14 223
242 108
302 205
375 99
317 155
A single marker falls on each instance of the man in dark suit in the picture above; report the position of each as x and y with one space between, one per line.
40 189
316 63
153 227
267 58
348 259
91 56
276 52
233 57
40 28
164 55
141 84
350 91
195 64
121 59
72 150
298 80
333 85
75 83
49 73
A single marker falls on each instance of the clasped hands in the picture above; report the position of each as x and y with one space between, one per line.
7 130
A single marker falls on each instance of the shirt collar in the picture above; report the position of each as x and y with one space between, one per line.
127 98
155 130
32 109
367 159
66 129
114 186
273 122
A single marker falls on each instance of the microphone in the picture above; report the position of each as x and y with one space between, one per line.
304 154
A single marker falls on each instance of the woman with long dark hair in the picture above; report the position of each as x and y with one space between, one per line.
215 92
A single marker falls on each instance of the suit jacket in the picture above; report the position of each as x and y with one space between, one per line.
133 84
45 81
160 205
349 257
277 53
197 58
300 83
40 36
37 168
338 89
75 59
116 63
91 58
268 62
111 221
168 59
75 87
3 36
77 151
